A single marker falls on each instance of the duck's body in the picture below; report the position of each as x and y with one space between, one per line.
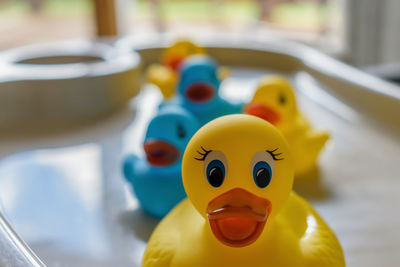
237 171
164 78
198 90
221 108
157 189
208 112
275 102
299 237
164 75
156 179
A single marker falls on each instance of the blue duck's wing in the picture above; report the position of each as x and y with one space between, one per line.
131 167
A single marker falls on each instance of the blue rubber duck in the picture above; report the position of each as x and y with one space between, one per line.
198 90
156 179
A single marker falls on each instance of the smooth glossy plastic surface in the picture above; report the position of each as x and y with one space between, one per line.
198 90
165 75
275 102
156 179
237 223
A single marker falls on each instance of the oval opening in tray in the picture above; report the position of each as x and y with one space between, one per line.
67 59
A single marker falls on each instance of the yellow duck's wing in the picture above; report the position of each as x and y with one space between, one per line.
318 243
166 237
160 251
163 77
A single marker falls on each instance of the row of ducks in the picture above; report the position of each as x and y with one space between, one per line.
236 170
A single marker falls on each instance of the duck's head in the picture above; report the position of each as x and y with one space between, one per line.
167 136
237 172
199 82
273 101
176 53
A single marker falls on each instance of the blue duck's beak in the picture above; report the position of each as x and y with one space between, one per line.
200 92
160 153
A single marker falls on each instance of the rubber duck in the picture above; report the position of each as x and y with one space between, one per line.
156 179
198 89
275 101
165 75
237 171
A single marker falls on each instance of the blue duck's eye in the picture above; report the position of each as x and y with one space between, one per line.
215 173
262 174
181 132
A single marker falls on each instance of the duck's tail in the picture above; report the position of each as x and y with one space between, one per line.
316 141
164 78
128 166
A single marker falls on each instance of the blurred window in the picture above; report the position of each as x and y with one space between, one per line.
33 21
315 22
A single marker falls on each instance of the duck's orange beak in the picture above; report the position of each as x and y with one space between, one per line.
237 217
174 62
263 112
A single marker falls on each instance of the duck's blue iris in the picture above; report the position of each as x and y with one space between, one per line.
215 173
262 174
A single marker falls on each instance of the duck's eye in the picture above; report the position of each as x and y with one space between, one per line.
262 168
282 99
181 131
262 174
215 167
215 173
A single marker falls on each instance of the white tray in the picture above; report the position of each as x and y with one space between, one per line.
63 84
65 196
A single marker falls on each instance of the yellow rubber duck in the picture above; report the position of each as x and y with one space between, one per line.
238 174
275 101
165 75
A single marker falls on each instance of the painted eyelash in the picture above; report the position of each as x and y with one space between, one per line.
203 154
275 155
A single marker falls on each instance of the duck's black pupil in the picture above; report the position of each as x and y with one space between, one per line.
262 177
215 176
282 99
181 132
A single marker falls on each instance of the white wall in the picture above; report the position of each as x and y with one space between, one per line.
373 31
390 49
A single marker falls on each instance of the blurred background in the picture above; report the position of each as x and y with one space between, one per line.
360 32
72 126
